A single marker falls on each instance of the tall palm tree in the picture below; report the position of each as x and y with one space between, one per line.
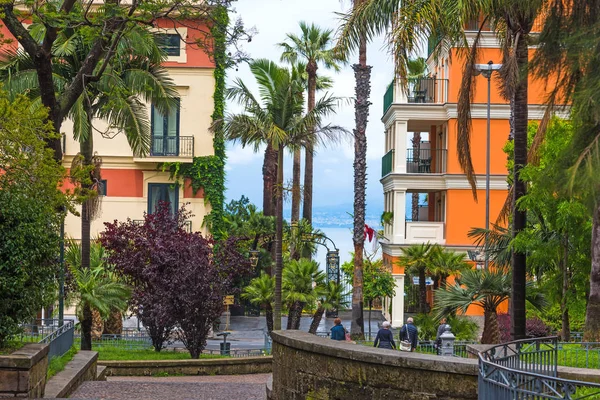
313 47
300 279
570 31
347 42
408 23
482 288
260 292
275 119
330 296
416 259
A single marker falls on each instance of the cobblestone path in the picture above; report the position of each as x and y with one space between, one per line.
225 387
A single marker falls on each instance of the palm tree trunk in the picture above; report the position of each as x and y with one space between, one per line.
314 325
422 292
519 260
362 74
269 316
370 308
269 180
298 315
86 328
592 315
86 149
278 241
296 186
564 308
311 69
491 329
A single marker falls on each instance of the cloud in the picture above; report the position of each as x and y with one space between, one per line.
237 155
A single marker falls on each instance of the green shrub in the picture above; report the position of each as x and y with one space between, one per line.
462 327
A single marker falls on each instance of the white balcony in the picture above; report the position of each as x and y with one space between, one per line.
424 232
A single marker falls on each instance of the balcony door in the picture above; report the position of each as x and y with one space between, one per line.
165 132
166 192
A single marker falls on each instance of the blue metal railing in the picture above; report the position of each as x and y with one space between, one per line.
528 369
50 331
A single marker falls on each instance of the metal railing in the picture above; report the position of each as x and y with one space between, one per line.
528 369
426 161
50 331
172 146
387 163
427 90
388 97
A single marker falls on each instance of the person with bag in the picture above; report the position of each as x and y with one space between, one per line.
409 336
385 337
440 331
338 332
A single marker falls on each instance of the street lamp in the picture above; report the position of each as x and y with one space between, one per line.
333 275
486 70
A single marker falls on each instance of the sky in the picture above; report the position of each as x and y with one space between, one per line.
333 178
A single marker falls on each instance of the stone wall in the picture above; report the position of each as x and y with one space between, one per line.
23 373
83 367
216 366
314 368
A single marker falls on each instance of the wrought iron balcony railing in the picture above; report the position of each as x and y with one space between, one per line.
172 146
426 161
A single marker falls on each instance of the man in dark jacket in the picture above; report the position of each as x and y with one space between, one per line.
410 333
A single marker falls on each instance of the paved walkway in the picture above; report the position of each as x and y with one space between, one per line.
224 387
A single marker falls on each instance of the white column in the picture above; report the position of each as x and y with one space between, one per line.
399 217
401 130
398 302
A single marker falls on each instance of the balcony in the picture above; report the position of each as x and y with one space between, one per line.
426 161
418 91
387 163
172 146
425 232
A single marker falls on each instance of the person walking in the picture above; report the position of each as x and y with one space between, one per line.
410 333
385 337
338 332
440 331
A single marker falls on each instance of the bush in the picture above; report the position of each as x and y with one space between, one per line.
462 327
534 327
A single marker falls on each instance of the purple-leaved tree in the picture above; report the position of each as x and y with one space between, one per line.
179 278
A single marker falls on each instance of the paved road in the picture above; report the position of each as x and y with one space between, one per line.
249 387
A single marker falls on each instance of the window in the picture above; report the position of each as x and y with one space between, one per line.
166 192
102 188
170 43
165 132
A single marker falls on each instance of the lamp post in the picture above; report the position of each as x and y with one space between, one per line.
333 274
253 256
486 70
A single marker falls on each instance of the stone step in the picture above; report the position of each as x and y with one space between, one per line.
101 373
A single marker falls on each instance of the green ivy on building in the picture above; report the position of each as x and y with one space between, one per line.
208 172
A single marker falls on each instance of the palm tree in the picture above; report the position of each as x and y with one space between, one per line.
276 119
416 259
134 75
482 288
331 296
95 290
411 23
445 263
312 47
260 292
300 279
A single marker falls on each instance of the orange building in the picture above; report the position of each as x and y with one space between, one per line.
447 209
134 185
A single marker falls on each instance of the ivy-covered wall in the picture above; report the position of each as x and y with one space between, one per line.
208 172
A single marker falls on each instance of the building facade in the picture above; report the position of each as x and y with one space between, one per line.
427 197
132 186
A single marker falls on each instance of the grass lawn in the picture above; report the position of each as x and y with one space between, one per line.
574 355
124 354
57 364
